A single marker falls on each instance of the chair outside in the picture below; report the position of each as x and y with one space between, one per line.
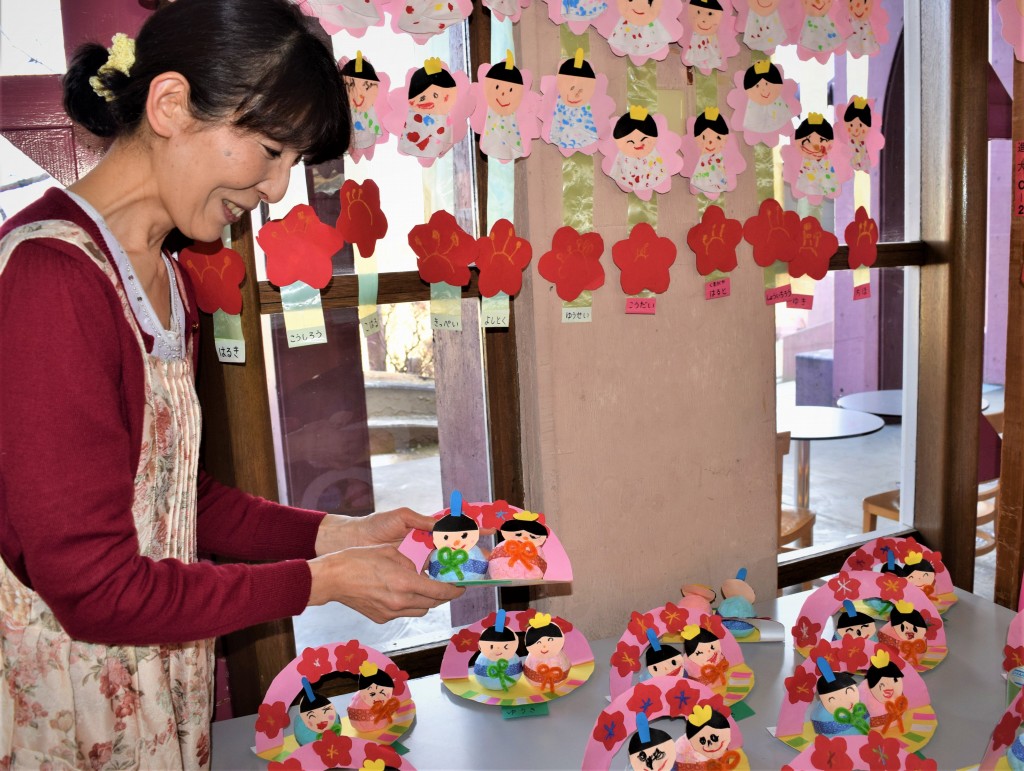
796 526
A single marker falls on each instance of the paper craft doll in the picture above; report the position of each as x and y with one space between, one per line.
641 156
578 14
575 104
737 605
506 113
905 632
708 735
641 29
708 37
838 710
507 9
823 30
546 664
650 748
920 572
711 158
456 556
867 20
661 658
852 623
763 26
435 103
521 553
497 665
364 86
704 661
856 132
882 692
764 103
316 716
425 18
814 165
698 597
353 16
373 706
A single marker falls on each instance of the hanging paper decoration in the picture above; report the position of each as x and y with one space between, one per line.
709 35
365 86
1011 13
773 233
425 18
764 103
714 240
352 16
766 24
507 9
506 110
711 159
870 27
435 104
361 221
860 131
574 263
862 240
644 259
641 154
575 108
444 252
217 273
501 258
814 250
824 28
814 165
577 14
641 30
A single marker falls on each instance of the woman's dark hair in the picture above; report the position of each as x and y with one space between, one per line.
305 705
752 77
652 657
806 128
505 74
626 125
704 636
368 72
533 634
914 617
717 720
421 80
380 677
703 123
534 527
877 673
568 67
840 680
864 113
657 737
450 524
252 63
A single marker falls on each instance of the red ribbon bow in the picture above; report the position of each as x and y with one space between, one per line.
525 552
894 712
550 676
709 673
912 649
727 762
384 710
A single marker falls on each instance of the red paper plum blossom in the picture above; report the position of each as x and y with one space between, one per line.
299 248
717 703
714 240
316 662
805 633
289 764
860 560
398 676
773 232
443 250
824 649
916 763
464 640
574 263
349 656
335 751
682 698
502 257
891 587
1013 657
844 586
626 658
272 719
216 273
610 729
814 250
800 686
638 625
853 654
644 259
673 617
862 239
933 621
1006 731
881 754
361 220
645 698
714 625
831 754
383 752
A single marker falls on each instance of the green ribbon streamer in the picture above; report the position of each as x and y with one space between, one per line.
301 305
578 192
569 42
446 306
451 560
367 287
858 718
499 669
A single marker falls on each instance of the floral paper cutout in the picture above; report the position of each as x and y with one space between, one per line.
361 220
641 29
352 16
814 164
578 14
425 18
444 251
1011 14
645 156
814 250
711 159
575 108
709 35
502 257
506 110
299 248
367 91
644 260
869 22
845 753
714 240
764 111
773 233
574 263
217 273
862 240
766 24
863 142
824 28
507 9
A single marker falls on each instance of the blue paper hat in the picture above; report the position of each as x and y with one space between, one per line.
826 670
890 559
455 507
308 689
652 637
643 727
499 621
848 606
741 574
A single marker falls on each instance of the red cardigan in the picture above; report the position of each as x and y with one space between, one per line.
71 413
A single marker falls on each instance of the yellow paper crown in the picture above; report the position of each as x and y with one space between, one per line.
761 67
881 659
913 558
690 631
526 516
577 61
700 715
860 102
904 607
540 620
815 118
711 113
368 669
432 65
373 765
359 61
636 112
510 60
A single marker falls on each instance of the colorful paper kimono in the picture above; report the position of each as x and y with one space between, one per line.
765 23
823 30
860 130
642 154
764 103
425 18
814 165
709 35
869 22
575 107
578 14
365 86
352 16
641 29
506 110
710 157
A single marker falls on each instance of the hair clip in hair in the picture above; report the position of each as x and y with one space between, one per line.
120 57
310 696
526 516
860 102
711 113
368 669
903 606
826 670
432 66
690 631
762 66
913 558
700 715
652 638
499 620
577 61
636 112
815 118
643 727
540 621
881 659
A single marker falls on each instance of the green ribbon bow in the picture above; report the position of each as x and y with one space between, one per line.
498 670
857 717
451 559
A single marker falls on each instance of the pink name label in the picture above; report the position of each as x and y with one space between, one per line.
641 305
862 292
779 294
801 301
718 288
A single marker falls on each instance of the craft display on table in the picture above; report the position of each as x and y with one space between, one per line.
578 15
709 35
710 738
813 164
824 28
520 552
512 658
313 731
919 565
425 18
826 696
506 110
1011 13
641 154
352 16
365 85
869 24
710 654
575 107
860 130
853 623
766 24
737 605
873 751
1013 655
456 555
641 29
429 113
1005 749
711 159
914 631
764 103
507 9
661 660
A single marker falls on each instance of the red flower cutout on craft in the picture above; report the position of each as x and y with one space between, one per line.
494 515
465 640
805 633
917 763
823 649
626 658
853 653
217 273
933 621
574 262
673 617
892 587
502 257
882 548
831 754
713 624
682 698
862 239
773 232
291 764
383 752
299 248
272 719
443 250
815 248
523 618
398 676
361 221
645 698
844 586
639 623
610 729
717 703
860 560
881 754
1013 657
423 536
800 686
562 624
644 259
489 619
1006 731
316 662
335 751
349 656
714 240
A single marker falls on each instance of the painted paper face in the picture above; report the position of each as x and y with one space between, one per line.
660 757
503 98
547 646
671 666
362 93
919 578
461 539
764 7
639 12
375 692
845 698
860 9
857 130
710 141
765 92
435 100
575 91
319 719
858 630
704 21
498 649
636 144
887 689
814 146
706 653
907 631
713 742
816 7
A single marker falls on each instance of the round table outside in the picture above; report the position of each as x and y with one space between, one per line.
886 404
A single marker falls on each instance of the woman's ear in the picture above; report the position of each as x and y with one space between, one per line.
167 105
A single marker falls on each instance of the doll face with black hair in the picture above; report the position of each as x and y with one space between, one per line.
546 646
639 12
319 719
574 90
921 578
521 534
710 141
816 7
856 129
860 631
660 757
704 21
436 100
362 93
672 666
907 630
887 689
764 92
815 146
764 7
845 698
706 653
860 9
498 649
503 98
460 539
376 692
712 742
636 144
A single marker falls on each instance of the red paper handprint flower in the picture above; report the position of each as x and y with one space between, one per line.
644 259
443 250
502 257
574 263
714 240
814 250
216 273
773 232
361 221
299 248
862 239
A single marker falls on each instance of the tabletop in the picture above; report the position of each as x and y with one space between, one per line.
967 691
887 403
805 423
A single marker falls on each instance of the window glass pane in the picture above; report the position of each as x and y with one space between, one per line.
21 180
31 38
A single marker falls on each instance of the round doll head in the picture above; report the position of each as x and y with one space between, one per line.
907 622
524 526
543 638
702 647
852 623
639 12
650 749
838 693
708 731
432 89
503 87
635 133
885 679
764 7
361 83
375 682
710 130
317 714
737 587
814 137
857 118
662 659
576 81
860 9
456 532
763 82
918 571
816 7
705 16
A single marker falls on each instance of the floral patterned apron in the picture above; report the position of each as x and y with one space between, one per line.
83 705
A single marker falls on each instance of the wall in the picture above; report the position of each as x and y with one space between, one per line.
648 441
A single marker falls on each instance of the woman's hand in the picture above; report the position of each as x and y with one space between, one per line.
383 527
